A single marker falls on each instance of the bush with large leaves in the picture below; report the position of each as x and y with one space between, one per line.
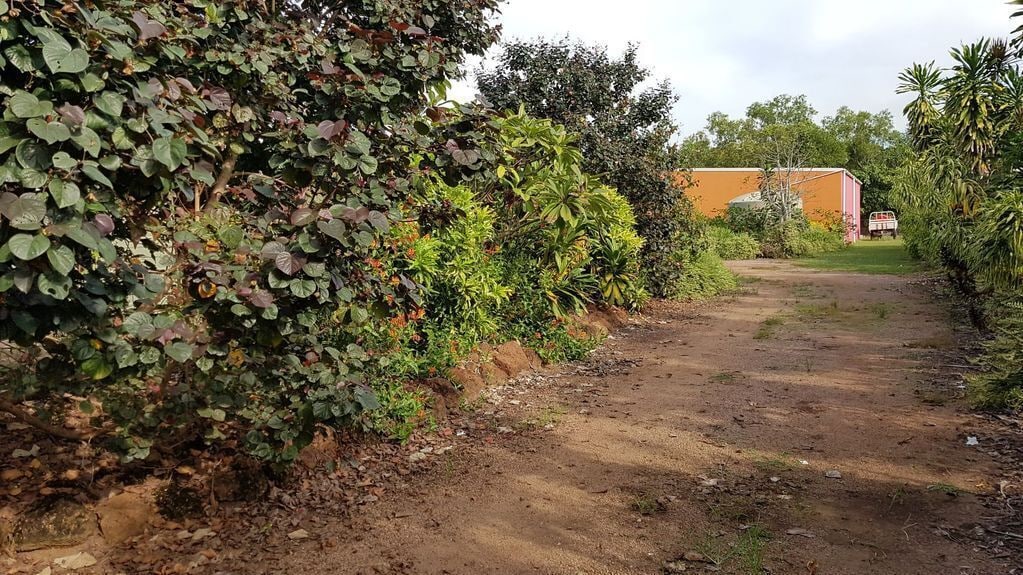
194 200
624 135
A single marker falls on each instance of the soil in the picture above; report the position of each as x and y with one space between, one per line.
811 424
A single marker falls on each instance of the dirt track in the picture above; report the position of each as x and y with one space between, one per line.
697 431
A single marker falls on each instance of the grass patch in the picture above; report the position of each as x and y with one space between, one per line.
818 311
549 415
646 504
768 326
866 256
725 377
775 464
950 490
881 310
746 553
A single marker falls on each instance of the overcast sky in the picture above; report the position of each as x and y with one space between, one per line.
721 55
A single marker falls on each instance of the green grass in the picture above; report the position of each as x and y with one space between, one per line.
746 553
867 256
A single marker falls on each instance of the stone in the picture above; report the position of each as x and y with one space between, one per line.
493 376
510 357
79 560
53 522
298 534
124 516
833 474
535 361
471 384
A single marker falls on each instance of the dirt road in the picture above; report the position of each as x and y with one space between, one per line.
799 427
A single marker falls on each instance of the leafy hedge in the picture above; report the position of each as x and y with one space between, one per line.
210 214
731 245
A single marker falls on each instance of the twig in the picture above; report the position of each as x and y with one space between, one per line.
223 178
28 418
1007 534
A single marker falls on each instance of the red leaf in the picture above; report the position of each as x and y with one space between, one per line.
288 263
147 28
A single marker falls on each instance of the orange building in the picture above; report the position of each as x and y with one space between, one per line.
822 191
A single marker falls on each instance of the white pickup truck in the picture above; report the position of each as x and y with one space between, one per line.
882 223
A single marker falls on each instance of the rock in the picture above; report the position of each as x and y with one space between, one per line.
298 534
53 522
493 376
79 560
833 474
511 358
471 384
124 516
417 456
800 532
535 361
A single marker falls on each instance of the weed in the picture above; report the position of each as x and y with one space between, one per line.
647 504
950 490
819 311
881 310
549 415
726 377
747 553
767 327
780 462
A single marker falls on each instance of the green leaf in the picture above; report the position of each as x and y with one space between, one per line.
66 194
110 103
20 57
179 351
92 170
59 57
54 285
170 152
97 368
92 83
333 228
302 288
64 161
232 236
33 155
62 259
27 247
26 212
51 132
88 140
25 321
25 105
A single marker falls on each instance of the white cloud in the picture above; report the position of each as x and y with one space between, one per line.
723 55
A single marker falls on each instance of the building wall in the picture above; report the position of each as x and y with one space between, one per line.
825 192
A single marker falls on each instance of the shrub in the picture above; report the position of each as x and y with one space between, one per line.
799 238
730 245
196 198
706 276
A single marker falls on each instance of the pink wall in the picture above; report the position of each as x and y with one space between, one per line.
851 205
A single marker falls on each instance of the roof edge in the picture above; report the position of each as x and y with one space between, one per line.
832 170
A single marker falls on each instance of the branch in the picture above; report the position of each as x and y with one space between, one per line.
220 185
28 418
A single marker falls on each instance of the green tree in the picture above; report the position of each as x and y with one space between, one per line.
624 134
